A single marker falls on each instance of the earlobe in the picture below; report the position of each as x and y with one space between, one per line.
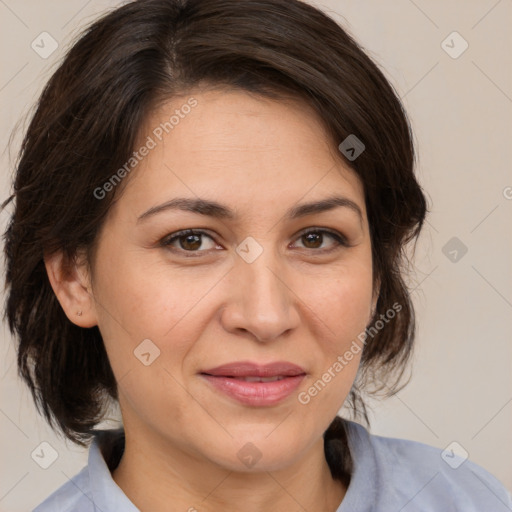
71 285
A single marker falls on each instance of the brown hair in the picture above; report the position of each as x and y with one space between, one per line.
86 125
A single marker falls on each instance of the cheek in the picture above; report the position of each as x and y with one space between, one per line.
342 301
343 305
140 301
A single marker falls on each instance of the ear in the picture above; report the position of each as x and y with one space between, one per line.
71 284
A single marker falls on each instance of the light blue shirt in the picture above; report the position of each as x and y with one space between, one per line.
390 475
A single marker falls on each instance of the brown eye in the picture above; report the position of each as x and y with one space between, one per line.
188 241
312 240
315 238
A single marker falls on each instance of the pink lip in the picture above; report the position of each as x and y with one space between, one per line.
227 378
248 369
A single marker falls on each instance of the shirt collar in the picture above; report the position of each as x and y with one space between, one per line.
106 494
107 446
364 481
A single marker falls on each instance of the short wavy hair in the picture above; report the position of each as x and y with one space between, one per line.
85 127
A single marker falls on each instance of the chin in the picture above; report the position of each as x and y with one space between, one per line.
256 451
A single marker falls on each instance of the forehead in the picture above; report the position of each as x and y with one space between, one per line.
240 148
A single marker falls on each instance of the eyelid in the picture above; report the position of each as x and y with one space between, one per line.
166 241
339 238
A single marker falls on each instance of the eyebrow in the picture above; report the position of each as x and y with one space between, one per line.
219 211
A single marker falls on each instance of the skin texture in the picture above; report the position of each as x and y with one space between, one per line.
297 302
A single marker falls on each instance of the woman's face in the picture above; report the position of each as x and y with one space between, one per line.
247 289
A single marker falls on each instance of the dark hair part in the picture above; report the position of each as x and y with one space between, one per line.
89 117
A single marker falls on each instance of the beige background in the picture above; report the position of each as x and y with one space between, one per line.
461 109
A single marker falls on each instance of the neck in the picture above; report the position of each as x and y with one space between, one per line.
158 477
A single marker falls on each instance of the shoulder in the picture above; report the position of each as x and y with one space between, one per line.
417 476
93 488
74 496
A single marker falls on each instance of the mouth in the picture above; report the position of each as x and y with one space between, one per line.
251 378
248 369
255 384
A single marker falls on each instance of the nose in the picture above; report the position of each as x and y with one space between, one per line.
260 301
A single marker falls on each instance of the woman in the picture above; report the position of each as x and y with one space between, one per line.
211 207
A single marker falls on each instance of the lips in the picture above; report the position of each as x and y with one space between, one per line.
248 369
255 384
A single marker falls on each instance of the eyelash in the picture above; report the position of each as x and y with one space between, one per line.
340 240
